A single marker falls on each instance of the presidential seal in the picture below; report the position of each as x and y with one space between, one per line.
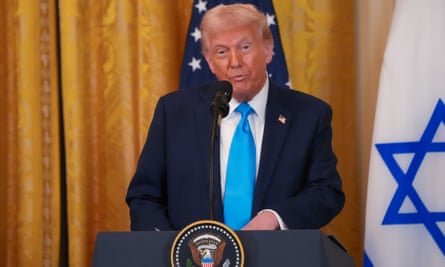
207 244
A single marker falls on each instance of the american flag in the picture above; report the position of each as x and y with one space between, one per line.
195 70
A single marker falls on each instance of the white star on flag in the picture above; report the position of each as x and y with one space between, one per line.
195 64
201 6
270 20
196 34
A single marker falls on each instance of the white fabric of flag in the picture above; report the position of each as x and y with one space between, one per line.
405 213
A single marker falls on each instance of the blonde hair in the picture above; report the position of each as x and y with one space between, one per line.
228 16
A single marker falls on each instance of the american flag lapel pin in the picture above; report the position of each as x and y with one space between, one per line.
282 119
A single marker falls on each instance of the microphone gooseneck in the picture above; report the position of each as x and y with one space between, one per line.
220 109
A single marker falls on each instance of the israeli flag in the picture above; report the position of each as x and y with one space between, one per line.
405 213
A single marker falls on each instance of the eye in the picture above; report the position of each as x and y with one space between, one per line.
246 47
220 52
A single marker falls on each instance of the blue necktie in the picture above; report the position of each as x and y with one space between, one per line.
241 171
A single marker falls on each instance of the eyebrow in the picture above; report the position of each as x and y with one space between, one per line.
241 41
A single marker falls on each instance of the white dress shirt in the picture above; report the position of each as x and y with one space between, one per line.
256 121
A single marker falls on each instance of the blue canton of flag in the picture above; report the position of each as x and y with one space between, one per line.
195 70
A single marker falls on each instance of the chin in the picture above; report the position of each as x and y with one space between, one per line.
242 96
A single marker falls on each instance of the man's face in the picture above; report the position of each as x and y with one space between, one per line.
239 55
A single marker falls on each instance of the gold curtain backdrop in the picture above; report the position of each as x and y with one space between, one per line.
29 136
118 57
99 67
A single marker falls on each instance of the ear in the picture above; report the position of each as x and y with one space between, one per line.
268 50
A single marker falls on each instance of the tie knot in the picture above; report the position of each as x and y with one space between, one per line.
245 109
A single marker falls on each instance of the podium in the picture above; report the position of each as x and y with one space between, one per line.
291 248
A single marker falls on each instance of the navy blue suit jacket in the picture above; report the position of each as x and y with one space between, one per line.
297 176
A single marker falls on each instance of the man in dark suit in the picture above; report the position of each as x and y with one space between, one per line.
295 183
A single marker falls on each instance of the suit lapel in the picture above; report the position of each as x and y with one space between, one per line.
275 129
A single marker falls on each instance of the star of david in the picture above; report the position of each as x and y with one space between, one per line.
405 180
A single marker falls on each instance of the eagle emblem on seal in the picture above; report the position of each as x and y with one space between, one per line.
207 250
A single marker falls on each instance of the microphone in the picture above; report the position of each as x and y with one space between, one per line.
220 109
220 104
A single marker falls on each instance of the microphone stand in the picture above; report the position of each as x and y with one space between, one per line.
213 139
220 109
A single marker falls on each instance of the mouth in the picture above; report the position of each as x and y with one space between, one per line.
238 78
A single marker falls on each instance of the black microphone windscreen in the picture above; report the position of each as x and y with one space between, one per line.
220 104
226 88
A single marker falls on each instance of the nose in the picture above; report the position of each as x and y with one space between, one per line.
235 60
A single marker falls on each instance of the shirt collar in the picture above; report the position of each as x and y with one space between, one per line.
258 102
